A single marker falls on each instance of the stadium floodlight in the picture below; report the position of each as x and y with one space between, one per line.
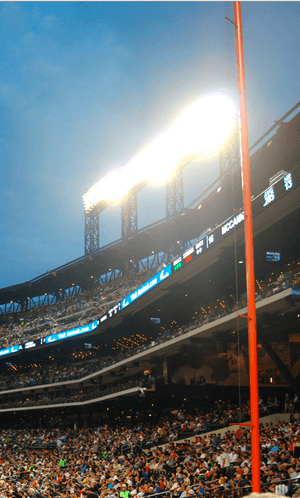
205 125
155 163
108 190
200 130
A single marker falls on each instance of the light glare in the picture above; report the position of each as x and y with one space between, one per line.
201 129
205 125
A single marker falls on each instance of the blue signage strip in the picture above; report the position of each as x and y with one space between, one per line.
12 349
296 292
157 279
51 338
70 333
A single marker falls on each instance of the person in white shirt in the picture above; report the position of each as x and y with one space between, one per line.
219 459
233 456
225 459
281 489
293 473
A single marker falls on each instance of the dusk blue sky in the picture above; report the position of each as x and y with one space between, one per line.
84 85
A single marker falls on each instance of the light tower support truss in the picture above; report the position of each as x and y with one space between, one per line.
129 214
129 220
129 211
91 231
174 194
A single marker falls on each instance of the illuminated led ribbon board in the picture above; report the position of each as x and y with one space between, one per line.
67 334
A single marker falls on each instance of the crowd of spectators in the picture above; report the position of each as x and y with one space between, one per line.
112 460
69 313
41 321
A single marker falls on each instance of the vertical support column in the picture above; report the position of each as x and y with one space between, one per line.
91 231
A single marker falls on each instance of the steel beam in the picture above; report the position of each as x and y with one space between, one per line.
281 366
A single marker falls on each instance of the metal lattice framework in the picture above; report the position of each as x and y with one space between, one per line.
153 261
129 220
175 205
229 161
46 299
129 214
174 194
91 243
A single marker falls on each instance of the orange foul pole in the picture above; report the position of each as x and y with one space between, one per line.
252 332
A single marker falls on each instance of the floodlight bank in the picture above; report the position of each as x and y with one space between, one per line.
200 129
